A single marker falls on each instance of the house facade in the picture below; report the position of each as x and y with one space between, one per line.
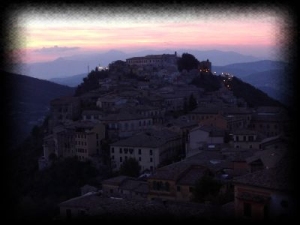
175 182
79 139
64 109
153 60
149 148
266 195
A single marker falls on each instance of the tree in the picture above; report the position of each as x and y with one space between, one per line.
130 167
192 103
185 105
187 62
206 188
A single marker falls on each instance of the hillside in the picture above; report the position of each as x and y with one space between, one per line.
27 102
273 82
71 81
241 70
252 95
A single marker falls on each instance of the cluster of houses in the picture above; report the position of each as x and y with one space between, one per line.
246 149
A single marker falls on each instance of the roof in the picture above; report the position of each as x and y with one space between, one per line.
116 208
89 200
214 131
236 110
276 178
183 122
116 180
244 131
192 175
92 112
269 157
238 154
206 110
135 185
274 139
84 126
170 172
150 139
122 116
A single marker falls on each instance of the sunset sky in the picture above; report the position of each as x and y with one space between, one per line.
49 34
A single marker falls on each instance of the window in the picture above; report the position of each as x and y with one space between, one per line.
167 186
140 159
266 212
121 160
284 204
81 212
125 150
68 213
154 185
131 150
121 150
151 160
140 151
247 209
151 152
178 188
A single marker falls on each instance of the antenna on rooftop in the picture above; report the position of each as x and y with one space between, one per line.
88 69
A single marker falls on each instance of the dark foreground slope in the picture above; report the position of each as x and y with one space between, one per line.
26 101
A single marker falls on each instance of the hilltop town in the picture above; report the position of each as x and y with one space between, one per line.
200 151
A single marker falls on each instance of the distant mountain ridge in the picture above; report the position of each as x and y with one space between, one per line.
78 64
71 81
246 68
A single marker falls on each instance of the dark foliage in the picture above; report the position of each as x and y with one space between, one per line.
206 188
207 81
34 194
130 167
192 102
253 96
187 62
91 82
27 100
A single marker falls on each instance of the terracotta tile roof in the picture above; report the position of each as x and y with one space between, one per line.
133 208
116 180
276 178
151 139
